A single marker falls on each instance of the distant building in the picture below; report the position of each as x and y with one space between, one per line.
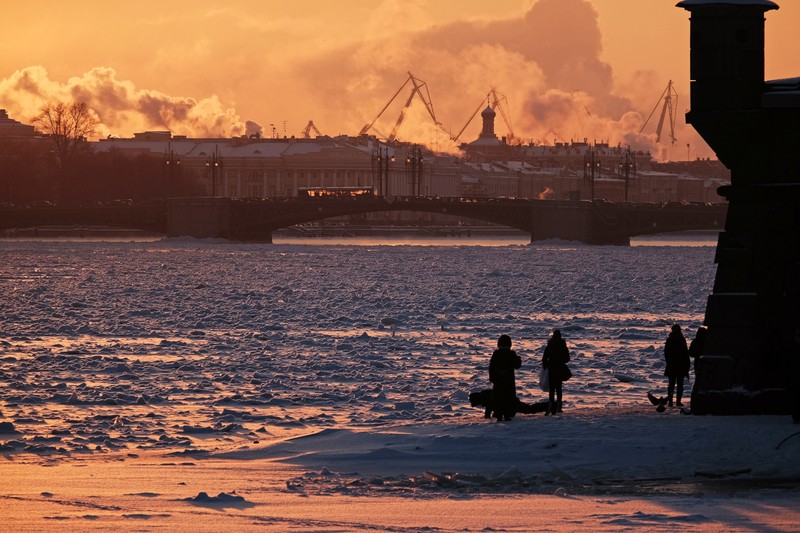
11 130
263 168
487 147
253 167
580 170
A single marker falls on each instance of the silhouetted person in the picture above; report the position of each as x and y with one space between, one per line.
556 356
501 373
676 355
696 346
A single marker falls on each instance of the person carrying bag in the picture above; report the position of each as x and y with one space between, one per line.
554 362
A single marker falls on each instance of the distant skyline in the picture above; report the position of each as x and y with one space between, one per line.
569 68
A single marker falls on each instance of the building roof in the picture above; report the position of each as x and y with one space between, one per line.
263 149
485 141
782 93
12 128
765 4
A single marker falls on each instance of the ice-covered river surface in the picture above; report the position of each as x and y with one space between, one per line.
355 362
329 335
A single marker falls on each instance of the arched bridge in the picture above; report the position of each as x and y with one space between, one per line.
595 222
151 216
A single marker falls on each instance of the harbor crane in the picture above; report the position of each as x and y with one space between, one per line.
310 127
495 100
418 88
670 99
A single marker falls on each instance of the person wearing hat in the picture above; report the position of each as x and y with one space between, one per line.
501 373
676 356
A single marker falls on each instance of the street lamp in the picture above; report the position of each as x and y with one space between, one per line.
414 161
627 169
382 159
172 164
590 166
213 167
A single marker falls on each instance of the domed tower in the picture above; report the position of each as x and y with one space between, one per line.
752 125
487 147
488 115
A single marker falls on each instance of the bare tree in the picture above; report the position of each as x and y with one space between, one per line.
68 125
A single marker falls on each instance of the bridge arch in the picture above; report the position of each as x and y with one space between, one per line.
252 218
592 222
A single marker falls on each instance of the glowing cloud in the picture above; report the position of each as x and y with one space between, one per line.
120 106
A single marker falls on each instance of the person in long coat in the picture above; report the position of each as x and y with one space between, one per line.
555 359
676 355
696 346
501 373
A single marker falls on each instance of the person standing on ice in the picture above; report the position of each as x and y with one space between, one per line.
696 346
676 355
501 373
555 359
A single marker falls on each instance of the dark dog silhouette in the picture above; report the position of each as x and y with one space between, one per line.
485 399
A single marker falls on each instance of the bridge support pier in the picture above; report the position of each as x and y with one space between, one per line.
201 218
574 221
570 222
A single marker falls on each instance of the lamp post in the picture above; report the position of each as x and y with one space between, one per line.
627 167
414 161
213 166
381 158
590 166
172 164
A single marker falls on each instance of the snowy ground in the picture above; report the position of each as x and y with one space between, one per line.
322 386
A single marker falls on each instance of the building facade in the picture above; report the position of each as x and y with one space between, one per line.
254 167
268 168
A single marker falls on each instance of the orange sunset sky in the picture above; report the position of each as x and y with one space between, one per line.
570 69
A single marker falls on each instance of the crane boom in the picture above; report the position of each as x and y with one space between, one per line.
670 99
495 100
310 127
420 89
469 121
367 127
402 116
499 101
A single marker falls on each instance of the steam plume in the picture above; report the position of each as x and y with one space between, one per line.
120 106
547 63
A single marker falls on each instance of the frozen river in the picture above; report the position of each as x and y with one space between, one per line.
322 323
345 362
333 335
